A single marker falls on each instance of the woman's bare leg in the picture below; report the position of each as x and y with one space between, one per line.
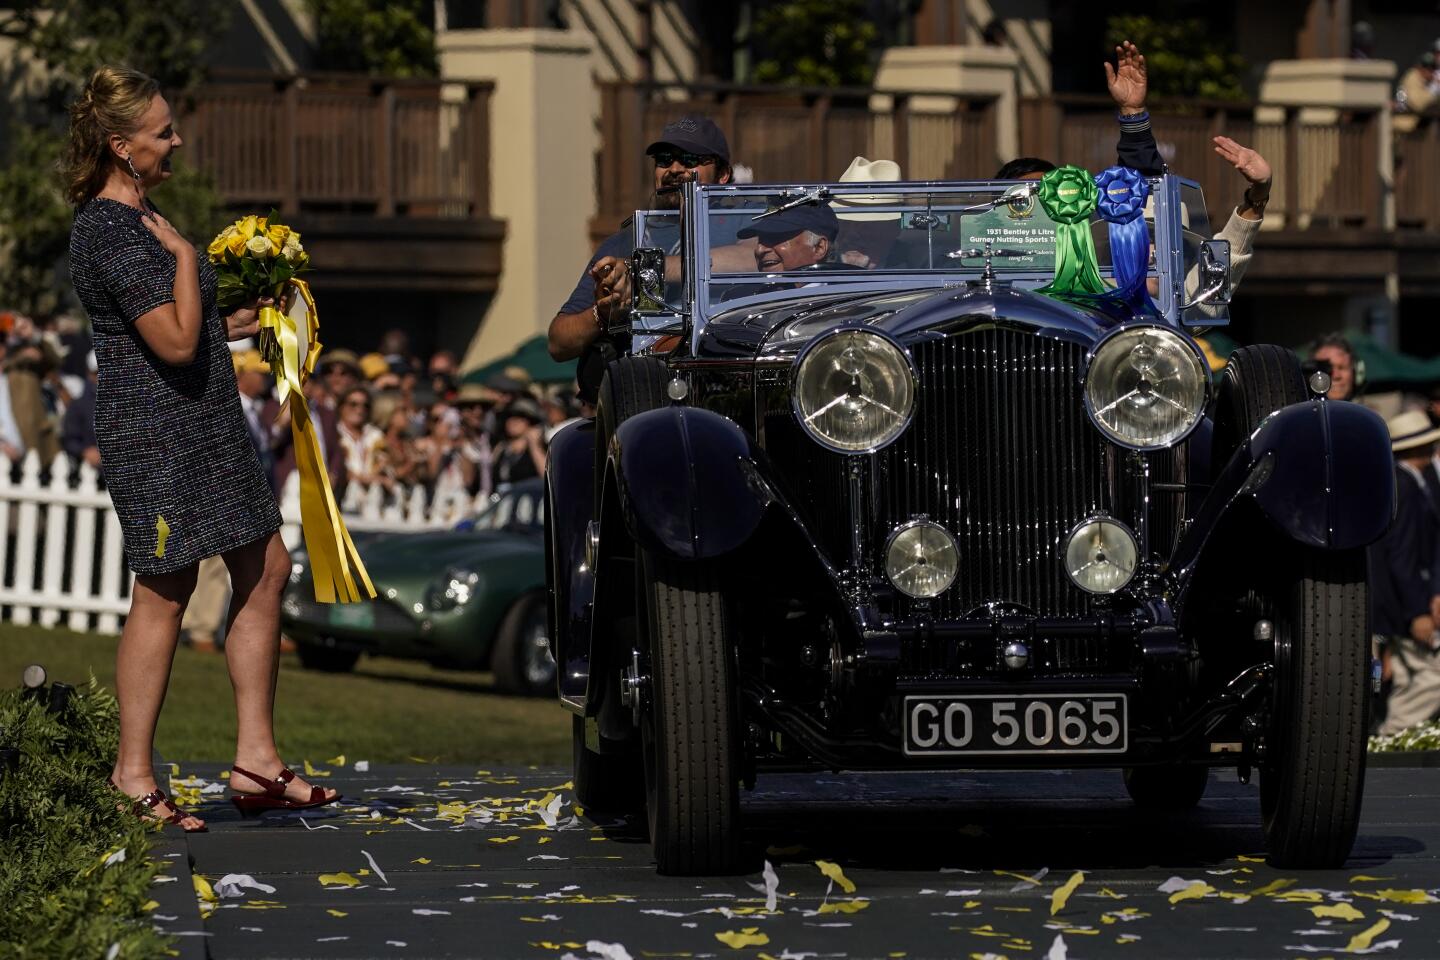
142 673
258 572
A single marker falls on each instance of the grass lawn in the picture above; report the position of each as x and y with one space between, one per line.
387 711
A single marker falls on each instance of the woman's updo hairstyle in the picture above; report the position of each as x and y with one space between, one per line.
113 101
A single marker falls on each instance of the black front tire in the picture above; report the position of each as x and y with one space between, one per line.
326 659
1171 788
689 735
1313 775
523 661
1257 381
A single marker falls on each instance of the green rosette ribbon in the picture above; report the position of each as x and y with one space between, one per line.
1068 195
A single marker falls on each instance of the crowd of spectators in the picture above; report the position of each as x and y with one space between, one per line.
386 417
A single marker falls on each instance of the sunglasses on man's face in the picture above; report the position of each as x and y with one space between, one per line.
664 158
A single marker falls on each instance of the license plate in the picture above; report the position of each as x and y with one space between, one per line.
357 616
1003 724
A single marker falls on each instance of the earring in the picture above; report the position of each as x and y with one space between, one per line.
133 172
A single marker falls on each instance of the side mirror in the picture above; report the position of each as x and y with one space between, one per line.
1213 280
649 311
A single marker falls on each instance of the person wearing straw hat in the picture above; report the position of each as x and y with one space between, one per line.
1403 580
866 236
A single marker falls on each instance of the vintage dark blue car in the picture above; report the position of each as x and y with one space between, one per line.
921 515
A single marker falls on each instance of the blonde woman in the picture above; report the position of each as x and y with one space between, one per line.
179 464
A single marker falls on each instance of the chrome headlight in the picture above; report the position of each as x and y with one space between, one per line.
455 590
921 559
1100 555
854 390
1146 387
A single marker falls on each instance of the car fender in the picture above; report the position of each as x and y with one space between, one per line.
687 482
570 498
1321 471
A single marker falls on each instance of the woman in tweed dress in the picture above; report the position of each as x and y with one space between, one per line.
178 461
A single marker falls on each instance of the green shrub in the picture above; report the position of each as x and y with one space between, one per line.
59 825
1422 736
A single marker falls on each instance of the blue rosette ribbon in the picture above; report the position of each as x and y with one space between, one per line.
1123 193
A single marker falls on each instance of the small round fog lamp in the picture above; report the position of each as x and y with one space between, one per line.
921 559
1100 555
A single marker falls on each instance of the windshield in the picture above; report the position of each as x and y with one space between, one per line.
766 240
520 506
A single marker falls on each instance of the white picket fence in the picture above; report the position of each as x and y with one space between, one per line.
63 558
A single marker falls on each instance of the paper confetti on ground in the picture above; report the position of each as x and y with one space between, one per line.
373 865
1057 949
1338 911
770 887
746 937
234 884
609 951
338 880
1195 891
1061 896
1363 939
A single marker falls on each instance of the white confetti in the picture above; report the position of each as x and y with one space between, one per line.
388 943
426 912
363 766
609 951
1057 949
962 893
375 866
329 939
1373 948
545 856
664 913
1176 884
415 825
550 813
1030 883
117 857
165 880
253 929
1397 916
235 884
113 952
323 826
1232 929
770 887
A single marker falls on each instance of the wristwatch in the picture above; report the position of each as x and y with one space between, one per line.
1252 203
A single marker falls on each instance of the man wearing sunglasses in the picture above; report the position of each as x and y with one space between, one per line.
690 148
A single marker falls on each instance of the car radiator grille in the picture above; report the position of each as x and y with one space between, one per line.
1002 454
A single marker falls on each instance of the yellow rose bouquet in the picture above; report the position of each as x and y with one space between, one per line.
257 257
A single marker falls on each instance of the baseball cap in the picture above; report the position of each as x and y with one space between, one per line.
817 217
694 134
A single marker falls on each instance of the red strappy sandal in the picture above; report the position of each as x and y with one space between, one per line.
144 807
274 796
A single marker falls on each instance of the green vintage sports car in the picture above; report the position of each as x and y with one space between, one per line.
469 598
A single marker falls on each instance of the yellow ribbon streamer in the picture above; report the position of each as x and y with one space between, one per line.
335 564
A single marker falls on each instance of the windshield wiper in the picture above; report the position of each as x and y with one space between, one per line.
810 196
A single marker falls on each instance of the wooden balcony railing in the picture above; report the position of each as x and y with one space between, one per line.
338 144
1417 189
1326 174
785 134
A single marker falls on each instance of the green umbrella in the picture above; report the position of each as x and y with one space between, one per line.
534 356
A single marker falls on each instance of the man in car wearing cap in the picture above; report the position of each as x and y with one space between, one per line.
793 239
690 148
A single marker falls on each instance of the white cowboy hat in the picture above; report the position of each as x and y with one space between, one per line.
868 171
1411 429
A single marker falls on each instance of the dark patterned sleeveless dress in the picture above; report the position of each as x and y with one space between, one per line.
176 455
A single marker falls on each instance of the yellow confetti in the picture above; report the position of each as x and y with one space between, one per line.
312 772
1361 941
224 774
504 839
971 904
1251 859
1195 891
1061 896
337 761
1301 896
1107 892
1397 896
746 937
337 913
421 860
985 930
203 890
338 880
1362 878
546 839
1274 886
1013 909
150 905
833 871
566 945
1338 911
844 906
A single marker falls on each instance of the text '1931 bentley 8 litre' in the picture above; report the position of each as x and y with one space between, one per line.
967 500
